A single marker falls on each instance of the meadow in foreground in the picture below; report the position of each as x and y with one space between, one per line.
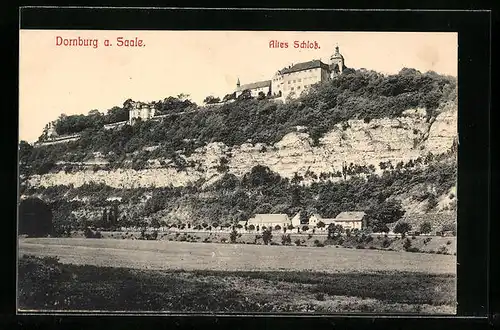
46 284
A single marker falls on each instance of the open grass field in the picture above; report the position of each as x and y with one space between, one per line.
167 255
129 275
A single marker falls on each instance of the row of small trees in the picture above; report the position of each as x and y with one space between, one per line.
425 228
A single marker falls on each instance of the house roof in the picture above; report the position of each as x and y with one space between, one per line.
350 216
258 84
269 218
242 223
305 66
326 221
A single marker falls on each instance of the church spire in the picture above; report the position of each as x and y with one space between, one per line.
337 49
238 82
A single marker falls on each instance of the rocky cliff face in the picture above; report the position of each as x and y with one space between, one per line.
356 141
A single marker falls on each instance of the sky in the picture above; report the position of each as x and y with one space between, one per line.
56 79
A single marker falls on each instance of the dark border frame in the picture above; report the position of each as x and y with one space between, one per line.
474 33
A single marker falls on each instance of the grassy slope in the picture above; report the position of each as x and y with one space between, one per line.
48 285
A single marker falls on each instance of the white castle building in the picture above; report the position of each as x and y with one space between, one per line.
293 80
141 110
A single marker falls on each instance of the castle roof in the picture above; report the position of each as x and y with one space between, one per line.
337 53
335 56
258 84
305 66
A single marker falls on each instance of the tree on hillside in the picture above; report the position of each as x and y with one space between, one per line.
389 211
296 179
267 236
62 210
344 170
335 230
296 196
211 100
115 216
228 182
259 176
320 224
155 223
223 166
286 239
245 95
425 227
450 227
25 154
228 97
35 218
171 105
233 236
116 114
94 112
25 150
304 217
432 202
104 219
402 228
183 97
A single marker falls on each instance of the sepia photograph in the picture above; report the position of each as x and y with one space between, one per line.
245 172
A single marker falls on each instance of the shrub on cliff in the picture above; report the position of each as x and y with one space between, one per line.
425 227
402 228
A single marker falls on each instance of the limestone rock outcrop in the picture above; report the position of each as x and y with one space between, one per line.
356 141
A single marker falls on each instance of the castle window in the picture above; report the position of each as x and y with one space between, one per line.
291 88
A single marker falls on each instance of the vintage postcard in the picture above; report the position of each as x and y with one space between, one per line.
237 172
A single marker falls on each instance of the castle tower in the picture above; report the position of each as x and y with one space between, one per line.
337 64
140 110
277 84
51 130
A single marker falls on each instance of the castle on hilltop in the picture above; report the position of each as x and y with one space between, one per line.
140 110
288 82
294 79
